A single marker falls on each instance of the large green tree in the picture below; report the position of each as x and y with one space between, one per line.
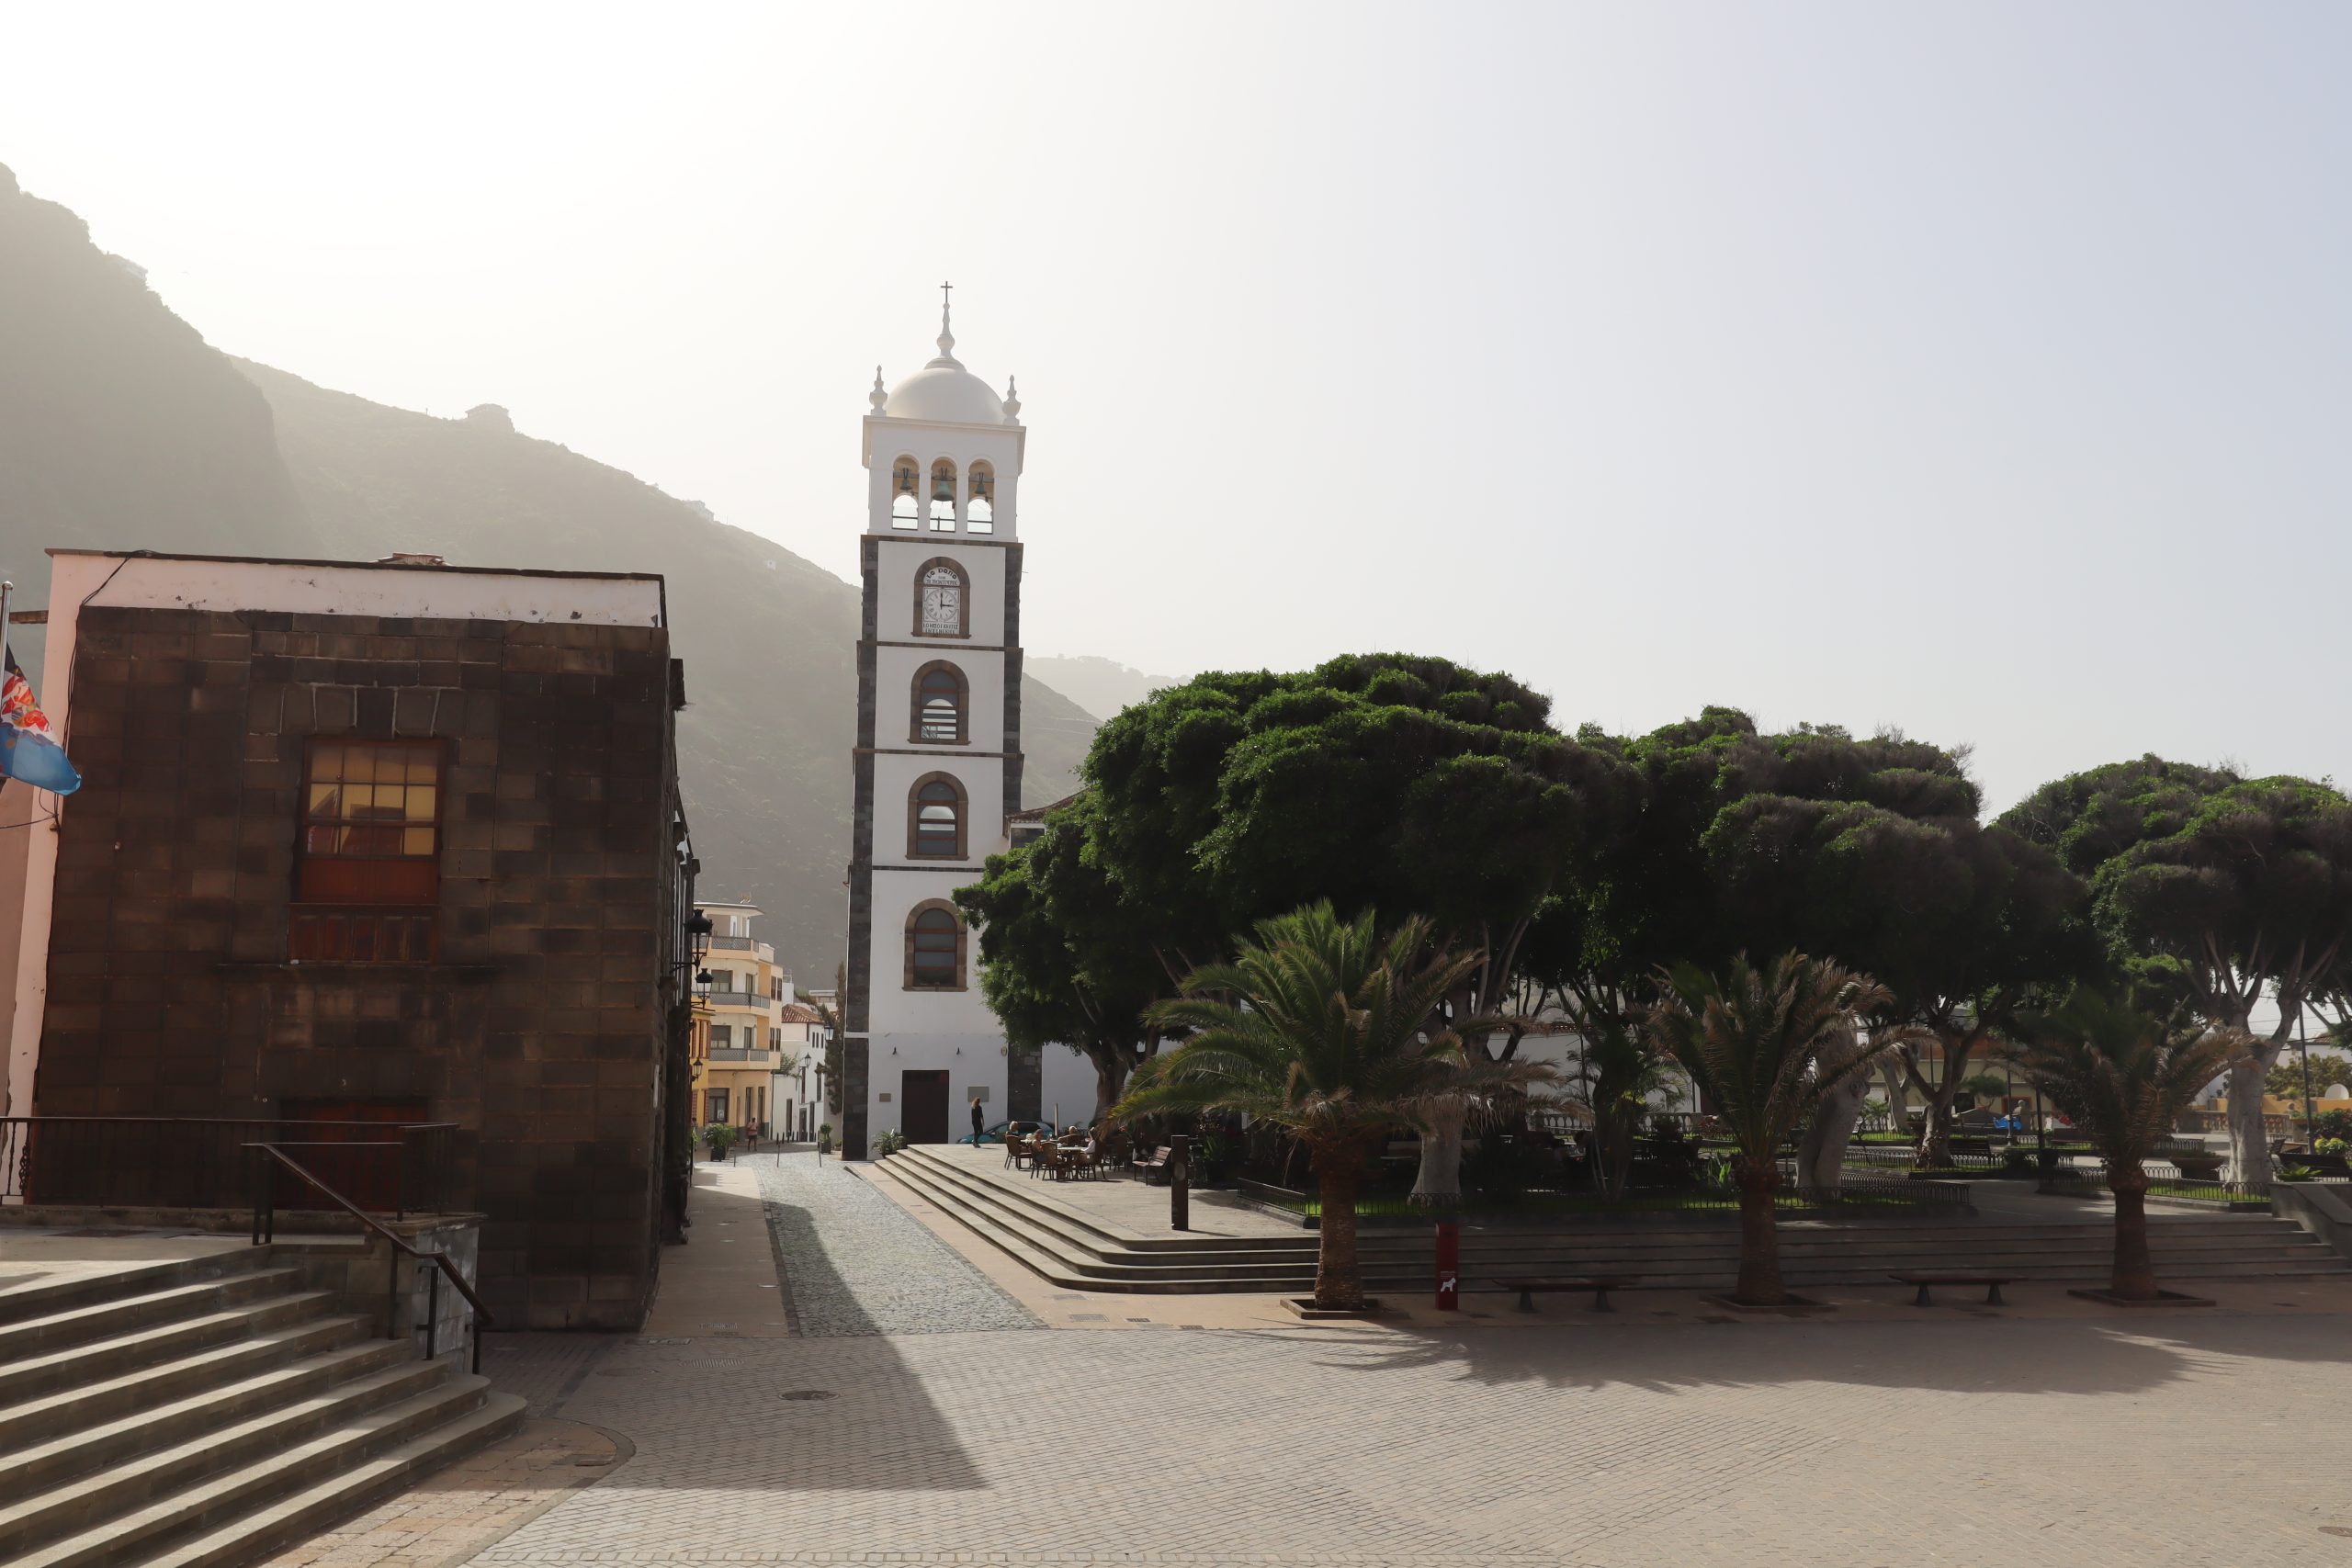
1402 784
1864 848
1963 925
2216 889
1068 957
1388 781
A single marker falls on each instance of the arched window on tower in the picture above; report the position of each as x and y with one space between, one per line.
935 818
905 509
943 497
939 705
980 513
934 947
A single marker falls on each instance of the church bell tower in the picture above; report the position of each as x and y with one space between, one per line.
937 764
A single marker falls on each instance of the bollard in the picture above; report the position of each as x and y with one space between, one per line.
1449 1266
1180 1174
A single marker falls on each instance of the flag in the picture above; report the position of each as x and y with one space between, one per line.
27 751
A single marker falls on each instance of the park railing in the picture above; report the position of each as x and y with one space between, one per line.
184 1162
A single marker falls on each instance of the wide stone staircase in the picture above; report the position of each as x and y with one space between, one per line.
205 1410
1061 1242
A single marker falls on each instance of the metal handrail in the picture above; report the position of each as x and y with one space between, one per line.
265 1230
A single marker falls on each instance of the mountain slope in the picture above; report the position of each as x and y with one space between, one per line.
120 428
119 425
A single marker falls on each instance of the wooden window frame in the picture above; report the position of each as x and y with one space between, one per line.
963 816
963 736
330 931
963 945
963 598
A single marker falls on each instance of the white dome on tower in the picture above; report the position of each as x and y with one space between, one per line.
944 393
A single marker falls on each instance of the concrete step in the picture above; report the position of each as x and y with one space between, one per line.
109 1316
323 1503
1052 1241
94 1361
210 1410
44 1298
129 1488
229 1510
147 1387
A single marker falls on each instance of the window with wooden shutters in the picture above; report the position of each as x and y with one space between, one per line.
939 705
367 865
935 819
934 949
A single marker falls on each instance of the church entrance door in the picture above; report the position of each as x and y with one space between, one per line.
924 1096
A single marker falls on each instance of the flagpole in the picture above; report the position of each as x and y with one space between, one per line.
7 588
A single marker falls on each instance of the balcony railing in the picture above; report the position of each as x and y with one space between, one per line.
752 1000
737 1053
732 944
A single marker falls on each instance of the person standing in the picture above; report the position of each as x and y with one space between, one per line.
979 1121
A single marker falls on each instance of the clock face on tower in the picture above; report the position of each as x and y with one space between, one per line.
942 602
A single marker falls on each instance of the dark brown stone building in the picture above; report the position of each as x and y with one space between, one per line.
395 841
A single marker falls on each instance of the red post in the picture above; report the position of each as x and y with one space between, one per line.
1449 1266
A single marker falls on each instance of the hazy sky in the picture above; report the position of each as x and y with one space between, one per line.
1979 369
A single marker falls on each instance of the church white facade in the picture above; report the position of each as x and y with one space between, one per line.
938 757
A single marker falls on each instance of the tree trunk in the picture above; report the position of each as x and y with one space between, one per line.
2249 1139
1613 1150
2133 1277
1934 1150
1759 1233
1821 1157
1439 1183
1339 1278
1898 1099
1110 1078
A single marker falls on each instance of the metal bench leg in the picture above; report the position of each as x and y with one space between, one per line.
1921 1300
1601 1300
1993 1296
1527 1301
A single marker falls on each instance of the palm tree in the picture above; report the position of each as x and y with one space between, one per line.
1625 1074
1325 1028
1765 1043
2124 1076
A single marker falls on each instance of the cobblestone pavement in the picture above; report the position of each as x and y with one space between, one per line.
2072 1442
852 1262
454 1515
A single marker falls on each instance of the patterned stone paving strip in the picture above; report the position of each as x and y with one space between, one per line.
2088 1443
855 1263
470 1506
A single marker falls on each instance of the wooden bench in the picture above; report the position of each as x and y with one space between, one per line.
1155 1161
1992 1283
1554 1285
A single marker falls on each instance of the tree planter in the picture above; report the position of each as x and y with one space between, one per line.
1792 1307
2161 1299
1304 1306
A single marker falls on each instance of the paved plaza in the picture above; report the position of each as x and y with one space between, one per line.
2050 1433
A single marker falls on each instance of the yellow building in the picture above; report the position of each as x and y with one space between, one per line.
742 1005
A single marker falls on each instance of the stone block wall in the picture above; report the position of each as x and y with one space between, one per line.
539 1027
